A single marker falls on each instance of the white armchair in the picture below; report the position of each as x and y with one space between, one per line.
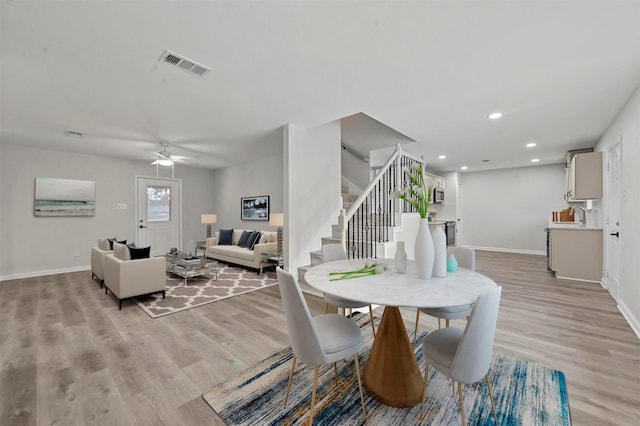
130 278
97 262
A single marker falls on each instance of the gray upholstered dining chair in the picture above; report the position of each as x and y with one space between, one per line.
317 341
331 252
466 258
465 355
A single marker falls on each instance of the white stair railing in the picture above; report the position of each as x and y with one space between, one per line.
369 220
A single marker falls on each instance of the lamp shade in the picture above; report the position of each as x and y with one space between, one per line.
276 219
208 218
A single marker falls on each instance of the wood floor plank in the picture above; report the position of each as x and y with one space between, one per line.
69 356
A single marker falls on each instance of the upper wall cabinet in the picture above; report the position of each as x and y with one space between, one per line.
584 176
434 181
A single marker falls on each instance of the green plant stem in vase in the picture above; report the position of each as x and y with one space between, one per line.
416 192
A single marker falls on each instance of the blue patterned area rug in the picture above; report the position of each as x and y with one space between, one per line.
525 393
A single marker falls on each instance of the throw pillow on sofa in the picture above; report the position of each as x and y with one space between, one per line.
242 242
226 236
253 239
103 244
115 240
139 252
121 251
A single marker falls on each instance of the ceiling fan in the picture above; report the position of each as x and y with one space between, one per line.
165 158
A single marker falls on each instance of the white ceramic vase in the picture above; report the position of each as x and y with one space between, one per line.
401 258
440 252
424 250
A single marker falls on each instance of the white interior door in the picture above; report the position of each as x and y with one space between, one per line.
612 225
158 214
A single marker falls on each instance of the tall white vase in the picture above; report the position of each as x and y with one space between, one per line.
424 251
440 252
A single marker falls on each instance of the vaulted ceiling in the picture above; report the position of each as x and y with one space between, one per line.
432 71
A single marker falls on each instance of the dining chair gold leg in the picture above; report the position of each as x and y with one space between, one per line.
439 326
313 394
453 388
447 322
415 332
335 371
493 407
293 367
373 326
461 403
326 308
424 389
357 365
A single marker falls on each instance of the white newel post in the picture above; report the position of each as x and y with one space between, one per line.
342 228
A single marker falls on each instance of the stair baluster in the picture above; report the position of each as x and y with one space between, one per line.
368 221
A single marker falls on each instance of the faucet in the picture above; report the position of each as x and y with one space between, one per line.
584 214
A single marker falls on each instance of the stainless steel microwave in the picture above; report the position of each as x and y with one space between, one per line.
438 195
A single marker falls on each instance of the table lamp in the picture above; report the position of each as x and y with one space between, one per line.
208 219
277 219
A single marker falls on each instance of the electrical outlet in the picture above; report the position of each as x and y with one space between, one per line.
76 253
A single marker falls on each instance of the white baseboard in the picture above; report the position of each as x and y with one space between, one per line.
631 319
43 273
578 279
507 250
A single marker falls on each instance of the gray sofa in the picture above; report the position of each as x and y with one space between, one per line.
256 258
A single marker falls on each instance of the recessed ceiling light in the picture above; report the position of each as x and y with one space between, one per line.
441 157
495 115
463 168
530 144
535 160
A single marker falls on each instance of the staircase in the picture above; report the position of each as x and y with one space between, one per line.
369 223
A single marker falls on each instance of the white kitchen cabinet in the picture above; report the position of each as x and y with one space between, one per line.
434 181
584 177
576 253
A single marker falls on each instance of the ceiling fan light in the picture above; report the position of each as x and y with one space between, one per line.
163 162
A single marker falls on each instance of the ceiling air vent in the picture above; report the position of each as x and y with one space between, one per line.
184 63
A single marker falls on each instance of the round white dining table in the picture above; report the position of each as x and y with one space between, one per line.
391 373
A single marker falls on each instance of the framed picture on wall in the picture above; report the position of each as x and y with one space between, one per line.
64 197
254 208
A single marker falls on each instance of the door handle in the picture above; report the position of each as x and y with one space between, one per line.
616 234
142 226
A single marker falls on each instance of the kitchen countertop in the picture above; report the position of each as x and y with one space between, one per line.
573 225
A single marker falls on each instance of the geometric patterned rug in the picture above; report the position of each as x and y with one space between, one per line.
231 281
525 393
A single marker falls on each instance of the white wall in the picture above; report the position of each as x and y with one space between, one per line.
626 126
449 209
312 188
32 246
508 209
355 171
260 177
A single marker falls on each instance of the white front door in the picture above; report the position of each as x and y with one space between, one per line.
158 214
612 223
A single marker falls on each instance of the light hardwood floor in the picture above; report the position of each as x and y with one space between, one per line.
69 357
